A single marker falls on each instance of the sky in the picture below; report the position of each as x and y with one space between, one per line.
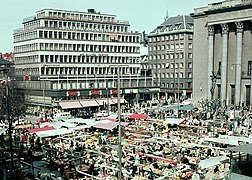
142 14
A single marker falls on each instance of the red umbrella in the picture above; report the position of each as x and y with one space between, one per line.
46 128
40 120
48 120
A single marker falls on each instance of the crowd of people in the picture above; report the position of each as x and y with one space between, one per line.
152 148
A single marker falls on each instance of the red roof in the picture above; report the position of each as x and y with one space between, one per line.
139 116
46 128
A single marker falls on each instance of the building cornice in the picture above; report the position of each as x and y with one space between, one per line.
170 32
222 10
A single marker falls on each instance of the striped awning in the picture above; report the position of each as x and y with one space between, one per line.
122 100
104 101
70 104
88 103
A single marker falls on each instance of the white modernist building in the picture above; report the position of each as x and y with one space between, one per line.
72 55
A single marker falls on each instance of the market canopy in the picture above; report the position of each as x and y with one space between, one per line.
108 125
46 128
219 140
138 116
213 161
59 124
55 132
109 118
105 126
245 148
176 121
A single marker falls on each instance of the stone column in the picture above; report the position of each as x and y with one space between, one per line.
210 59
238 73
224 64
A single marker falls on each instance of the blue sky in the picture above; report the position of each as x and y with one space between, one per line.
142 14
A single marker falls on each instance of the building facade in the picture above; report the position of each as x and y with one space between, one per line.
70 55
222 52
170 56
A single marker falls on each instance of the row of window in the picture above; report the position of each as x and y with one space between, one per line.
177 85
86 36
171 75
78 59
79 71
170 56
170 65
85 26
167 47
76 48
77 16
86 84
171 37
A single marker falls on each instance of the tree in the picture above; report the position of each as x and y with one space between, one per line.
16 98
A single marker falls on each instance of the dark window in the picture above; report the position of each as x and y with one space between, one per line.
248 95
249 68
220 68
232 93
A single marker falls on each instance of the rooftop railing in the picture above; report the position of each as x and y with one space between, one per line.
31 18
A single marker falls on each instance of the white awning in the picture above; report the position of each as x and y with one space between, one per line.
213 161
55 132
70 104
88 103
122 100
104 101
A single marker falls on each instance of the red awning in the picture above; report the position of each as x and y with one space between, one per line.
158 157
139 116
46 128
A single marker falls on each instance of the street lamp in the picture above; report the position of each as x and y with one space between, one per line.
107 97
43 90
233 66
178 93
119 119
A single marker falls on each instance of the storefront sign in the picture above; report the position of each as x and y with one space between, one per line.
141 90
114 91
27 78
95 92
73 93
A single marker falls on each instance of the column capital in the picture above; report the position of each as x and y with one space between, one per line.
225 28
210 30
239 27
